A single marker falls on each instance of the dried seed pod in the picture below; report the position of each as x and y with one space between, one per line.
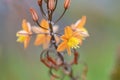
76 55
34 14
84 73
67 69
66 4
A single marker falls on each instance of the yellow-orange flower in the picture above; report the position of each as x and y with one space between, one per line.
24 35
70 40
44 37
79 27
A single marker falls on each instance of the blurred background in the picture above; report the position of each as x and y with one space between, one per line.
100 51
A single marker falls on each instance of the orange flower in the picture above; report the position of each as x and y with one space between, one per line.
70 40
43 37
79 27
24 35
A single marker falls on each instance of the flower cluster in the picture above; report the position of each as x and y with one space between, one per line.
49 37
71 39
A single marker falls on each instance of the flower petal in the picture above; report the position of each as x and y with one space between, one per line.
24 25
39 39
57 39
55 28
46 41
84 32
78 36
21 33
80 24
26 41
36 29
68 50
63 37
62 46
29 27
68 32
44 24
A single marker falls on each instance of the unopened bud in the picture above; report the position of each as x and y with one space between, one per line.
34 14
51 4
66 4
39 2
45 1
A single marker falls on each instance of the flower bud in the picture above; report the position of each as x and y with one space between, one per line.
34 14
39 2
66 4
45 1
51 4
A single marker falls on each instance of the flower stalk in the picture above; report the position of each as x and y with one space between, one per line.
53 42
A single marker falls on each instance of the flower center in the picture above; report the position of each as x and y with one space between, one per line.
73 42
21 39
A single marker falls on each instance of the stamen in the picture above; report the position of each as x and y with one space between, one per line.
73 42
21 39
